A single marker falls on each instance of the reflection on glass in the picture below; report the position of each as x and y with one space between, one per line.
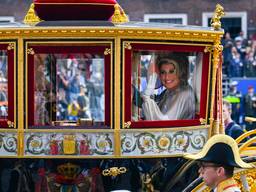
165 85
3 85
69 88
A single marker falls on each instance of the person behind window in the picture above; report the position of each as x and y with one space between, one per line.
177 101
231 128
83 103
250 107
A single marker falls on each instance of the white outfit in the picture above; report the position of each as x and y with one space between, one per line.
173 105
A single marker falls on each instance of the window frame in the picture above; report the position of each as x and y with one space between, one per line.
127 66
10 47
182 16
7 19
58 48
241 14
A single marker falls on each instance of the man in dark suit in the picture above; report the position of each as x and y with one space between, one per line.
231 127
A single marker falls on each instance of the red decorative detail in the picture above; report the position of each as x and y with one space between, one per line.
84 148
54 148
95 171
127 88
51 10
10 59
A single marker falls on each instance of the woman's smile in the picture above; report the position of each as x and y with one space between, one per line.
169 77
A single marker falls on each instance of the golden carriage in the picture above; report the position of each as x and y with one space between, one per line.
108 58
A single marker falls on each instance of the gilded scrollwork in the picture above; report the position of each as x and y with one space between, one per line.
127 45
30 51
10 143
198 141
128 144
42 144
10 124
34 144
114 171
147 143
10 46
107 51
127 125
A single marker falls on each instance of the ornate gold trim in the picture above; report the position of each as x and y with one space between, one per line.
147 33
114 171
209 49
203 121
10 46
216 59
10 124
107 51
127 45
215 21
31 18
245 135
127 125
30 51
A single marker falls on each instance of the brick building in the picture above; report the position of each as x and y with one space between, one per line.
240 15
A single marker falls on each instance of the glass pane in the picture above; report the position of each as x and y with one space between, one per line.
166 85
69 88
3 85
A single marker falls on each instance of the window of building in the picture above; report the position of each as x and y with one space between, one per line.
166 18
233 22
6 19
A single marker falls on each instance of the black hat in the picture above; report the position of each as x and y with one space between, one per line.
221 149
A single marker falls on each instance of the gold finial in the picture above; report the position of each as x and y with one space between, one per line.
219 12
31 18
119 15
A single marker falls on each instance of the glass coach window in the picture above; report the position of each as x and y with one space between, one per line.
7 84
166 85
67 85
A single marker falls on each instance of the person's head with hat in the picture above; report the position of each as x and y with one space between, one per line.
233 87
217 160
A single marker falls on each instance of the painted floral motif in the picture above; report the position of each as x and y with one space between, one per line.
58 144
8 143
146 142
162 143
